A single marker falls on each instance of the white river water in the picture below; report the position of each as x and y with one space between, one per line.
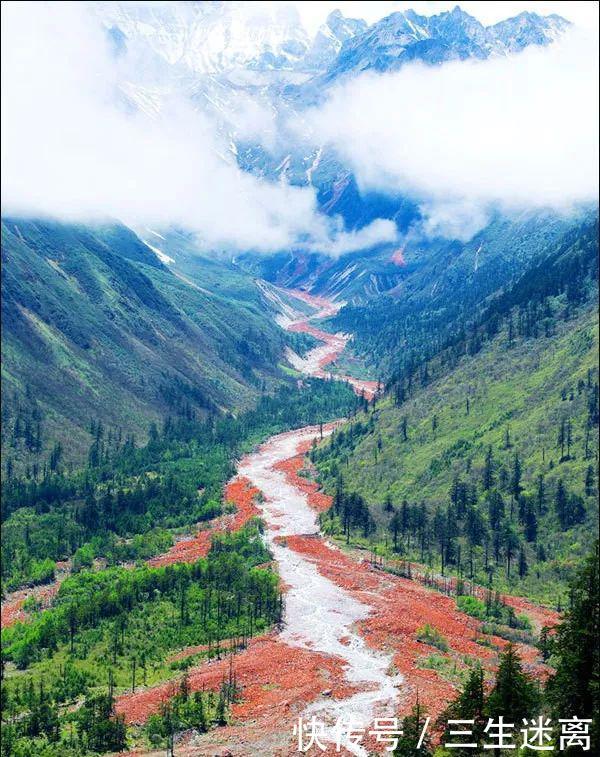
318 613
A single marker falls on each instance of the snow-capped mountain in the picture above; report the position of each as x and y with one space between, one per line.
211 37
219 37
329 39
217 52
454 35
221 56
529 29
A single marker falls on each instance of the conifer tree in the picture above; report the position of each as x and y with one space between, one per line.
541 494
515 695
589 481
523 567
488 470
575 687
469 705
412 729
404 428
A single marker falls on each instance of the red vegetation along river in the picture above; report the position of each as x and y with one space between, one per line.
349 646
317 359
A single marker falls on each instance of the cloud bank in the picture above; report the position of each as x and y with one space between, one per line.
379 231
515 132
69 150
462 138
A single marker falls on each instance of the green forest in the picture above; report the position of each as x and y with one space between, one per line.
481 458
115 622
515 697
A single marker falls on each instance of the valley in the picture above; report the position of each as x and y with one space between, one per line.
365 624
339 607
316 360
350 632
300 387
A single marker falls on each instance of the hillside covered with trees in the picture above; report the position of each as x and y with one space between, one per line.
97 328
481 457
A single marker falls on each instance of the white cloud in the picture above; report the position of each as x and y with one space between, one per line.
253 120
453 220
69 152
379 231
461 137
518 132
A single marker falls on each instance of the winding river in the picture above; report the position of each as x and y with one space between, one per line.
319 615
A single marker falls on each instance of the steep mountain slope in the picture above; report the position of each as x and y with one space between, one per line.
482 458
216 37
96 327
441 279
360 275
387 45
441 282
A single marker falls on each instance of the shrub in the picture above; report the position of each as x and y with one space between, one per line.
42 571
496 612
83 558
430 635
472 606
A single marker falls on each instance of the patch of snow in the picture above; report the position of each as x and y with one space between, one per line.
160 254
156 234
314 165
284 165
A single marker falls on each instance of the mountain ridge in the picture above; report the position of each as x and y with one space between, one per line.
406 36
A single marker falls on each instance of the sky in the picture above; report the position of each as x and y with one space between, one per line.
462 138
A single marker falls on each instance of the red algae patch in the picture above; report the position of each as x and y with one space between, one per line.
242 493
398 256
325 306
335 565
400 608
332 348
538 614
239 491
292 467
368 388
12 608
277 681
541 616
305 327
186 550
189 651
12 611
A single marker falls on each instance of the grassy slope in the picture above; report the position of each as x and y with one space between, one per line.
519 388
95 326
